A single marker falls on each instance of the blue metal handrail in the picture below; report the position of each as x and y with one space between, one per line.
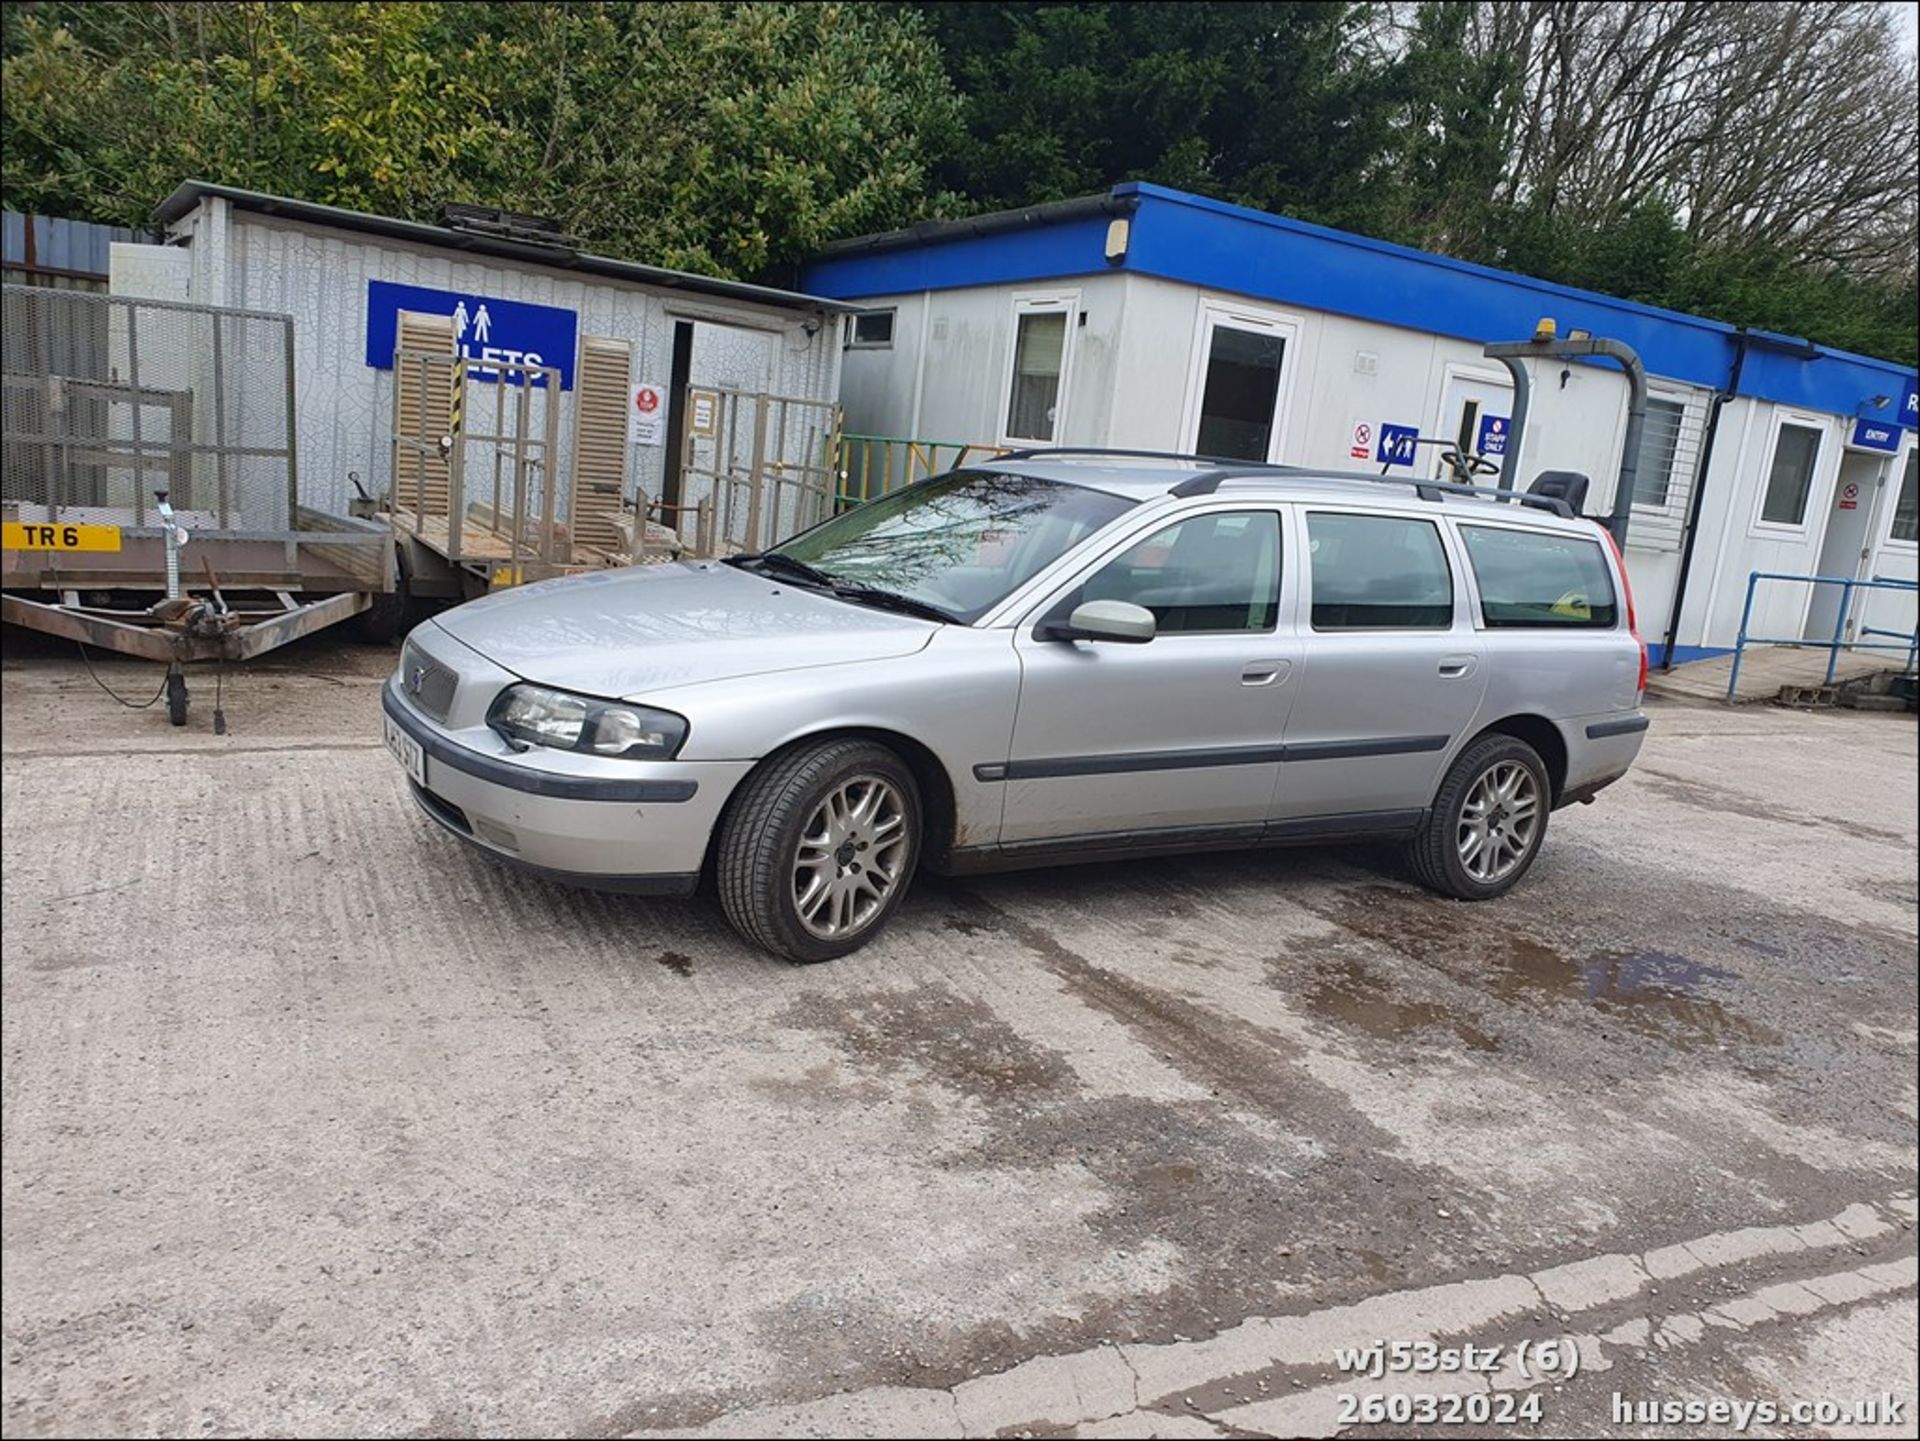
1908 643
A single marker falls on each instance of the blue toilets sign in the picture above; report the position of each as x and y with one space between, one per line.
484 327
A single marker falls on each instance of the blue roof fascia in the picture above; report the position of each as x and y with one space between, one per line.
1044 252
1216 245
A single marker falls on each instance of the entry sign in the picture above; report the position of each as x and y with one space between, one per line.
1876 435
1493 435
647 414
484 327
1397 444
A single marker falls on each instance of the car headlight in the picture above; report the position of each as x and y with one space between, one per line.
534 715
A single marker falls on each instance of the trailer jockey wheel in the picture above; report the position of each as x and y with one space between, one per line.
176 695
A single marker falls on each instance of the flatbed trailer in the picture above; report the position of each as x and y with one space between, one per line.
150 489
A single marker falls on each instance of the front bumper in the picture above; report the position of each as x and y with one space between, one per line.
635 826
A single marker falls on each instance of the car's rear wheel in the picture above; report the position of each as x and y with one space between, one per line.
1487 823
817 850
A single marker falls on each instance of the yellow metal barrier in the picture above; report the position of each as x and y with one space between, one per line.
867 467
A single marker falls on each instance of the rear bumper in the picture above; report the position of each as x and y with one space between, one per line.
638 827
1600 750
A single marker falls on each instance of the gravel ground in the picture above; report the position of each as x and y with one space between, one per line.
315 1122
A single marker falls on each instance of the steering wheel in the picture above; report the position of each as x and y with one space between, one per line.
1470 463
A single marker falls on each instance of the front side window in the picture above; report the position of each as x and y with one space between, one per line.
1790 481
1039 359
1659 442
1536 580
1378 572
1906 523
1209 573
962 542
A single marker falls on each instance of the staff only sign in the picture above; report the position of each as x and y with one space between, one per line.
484 327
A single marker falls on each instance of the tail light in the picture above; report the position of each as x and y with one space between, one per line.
1633 621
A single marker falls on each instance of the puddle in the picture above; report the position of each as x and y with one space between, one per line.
680 965
1355 996
1659 992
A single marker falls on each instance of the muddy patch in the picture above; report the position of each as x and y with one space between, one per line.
935 1033
1658 992
1353 994
1714 798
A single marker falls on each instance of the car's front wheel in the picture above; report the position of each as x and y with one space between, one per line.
1487 823
816 851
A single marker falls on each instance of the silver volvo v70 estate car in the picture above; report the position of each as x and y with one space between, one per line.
1049 657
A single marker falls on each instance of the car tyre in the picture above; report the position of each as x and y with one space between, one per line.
818 848
1487 822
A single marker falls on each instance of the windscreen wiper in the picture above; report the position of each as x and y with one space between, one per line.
785 564
892 600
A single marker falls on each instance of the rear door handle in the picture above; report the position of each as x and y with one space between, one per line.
1457 665
1265 672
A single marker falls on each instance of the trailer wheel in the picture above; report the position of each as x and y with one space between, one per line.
176 695
385 621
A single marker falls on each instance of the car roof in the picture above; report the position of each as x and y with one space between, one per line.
1149 477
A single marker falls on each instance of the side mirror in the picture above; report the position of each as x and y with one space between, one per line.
1115 620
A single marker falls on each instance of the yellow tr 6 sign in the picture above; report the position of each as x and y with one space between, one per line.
15 535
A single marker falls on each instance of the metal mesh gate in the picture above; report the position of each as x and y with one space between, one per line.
756 469
106 399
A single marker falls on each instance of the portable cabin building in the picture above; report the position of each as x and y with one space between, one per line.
620 334
1150 318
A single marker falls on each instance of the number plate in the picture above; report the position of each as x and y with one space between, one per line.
17 535
405 749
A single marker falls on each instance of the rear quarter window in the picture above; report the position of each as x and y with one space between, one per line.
1540 581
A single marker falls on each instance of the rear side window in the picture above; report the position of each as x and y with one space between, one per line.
1378 572
1537 580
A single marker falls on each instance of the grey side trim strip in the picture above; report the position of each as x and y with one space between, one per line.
520 778
1626 726
1144 761
1177 760
1341 750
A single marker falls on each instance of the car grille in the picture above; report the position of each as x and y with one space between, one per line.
427 683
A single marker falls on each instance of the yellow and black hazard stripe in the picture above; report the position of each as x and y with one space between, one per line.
457 401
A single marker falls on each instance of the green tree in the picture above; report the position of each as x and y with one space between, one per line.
726 138
1282 106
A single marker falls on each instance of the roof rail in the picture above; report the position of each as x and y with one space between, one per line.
1207 482
1227 468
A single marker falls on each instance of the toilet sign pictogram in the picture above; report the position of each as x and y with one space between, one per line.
647 415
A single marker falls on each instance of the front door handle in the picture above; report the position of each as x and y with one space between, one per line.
1458 665
1265 672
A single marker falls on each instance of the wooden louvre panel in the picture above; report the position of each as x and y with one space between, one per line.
601 393
422 395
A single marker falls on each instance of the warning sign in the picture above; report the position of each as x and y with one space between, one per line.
1362 448
1850 496
703 412
647 415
